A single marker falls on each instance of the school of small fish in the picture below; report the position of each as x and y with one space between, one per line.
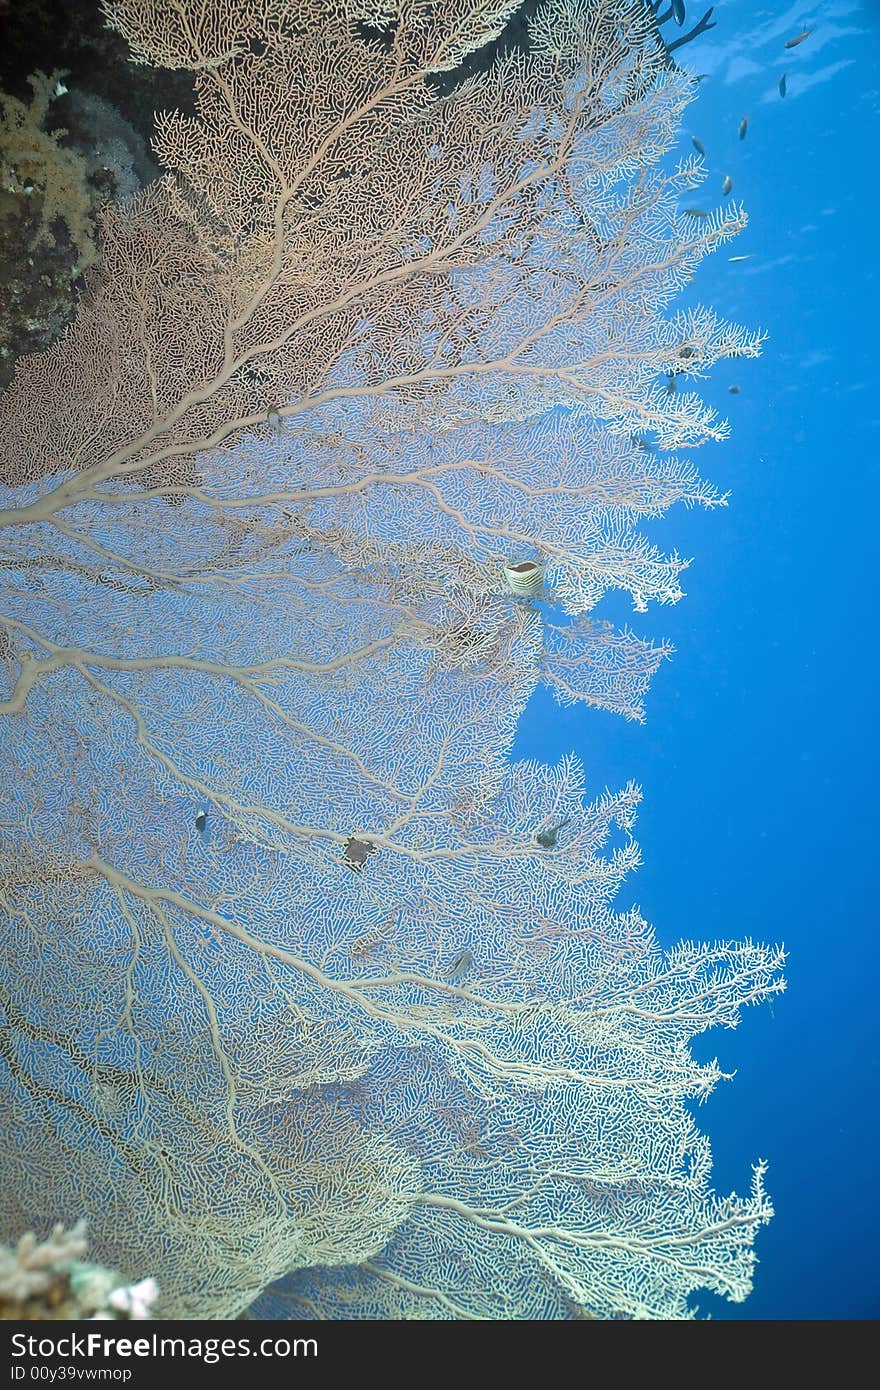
727 186
678 14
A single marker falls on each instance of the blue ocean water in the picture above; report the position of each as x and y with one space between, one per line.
758 760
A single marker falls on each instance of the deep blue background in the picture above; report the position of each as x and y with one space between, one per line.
759 758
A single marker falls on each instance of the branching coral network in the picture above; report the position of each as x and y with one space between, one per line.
303 983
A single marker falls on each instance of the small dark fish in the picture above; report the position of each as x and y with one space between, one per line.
698 146
798 38
783 85
727 186
678 12
547 838
671 386
734 390
696 212
641 443
686 351
460 966
743 127
201 821
356 853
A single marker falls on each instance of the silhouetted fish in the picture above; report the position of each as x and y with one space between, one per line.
547 838
678 12
798 38
460 966
698 146
783 85
727 186
696 212
201 821
743 127
740 258
734 390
